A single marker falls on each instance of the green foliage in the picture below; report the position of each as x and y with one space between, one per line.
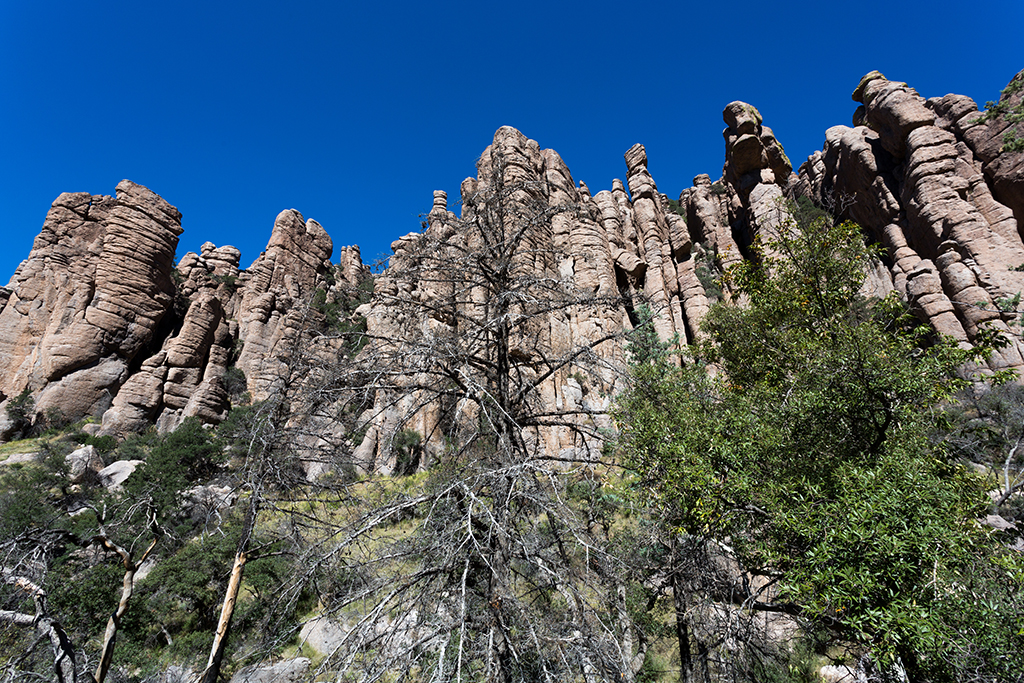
102 444
235 383
809 451
83 594
25 500
675 207
643 347
408 446
54 420
230 282
137 446
181 300
176 606
1012 140
339 313
708 272
19 412
187 455
805 212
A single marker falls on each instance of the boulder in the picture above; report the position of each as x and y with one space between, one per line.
287 671
114 474
83 462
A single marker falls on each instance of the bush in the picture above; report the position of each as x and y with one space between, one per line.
808 453
408 446
235 383
20 412
187 455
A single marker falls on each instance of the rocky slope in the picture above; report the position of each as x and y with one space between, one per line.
98 320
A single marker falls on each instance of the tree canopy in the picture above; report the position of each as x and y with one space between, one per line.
798 434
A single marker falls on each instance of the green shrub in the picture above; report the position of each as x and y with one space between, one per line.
235 383
102 444
187 455
408 446
677 208
19 412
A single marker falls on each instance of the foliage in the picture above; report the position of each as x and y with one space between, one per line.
19 412
187 455
230 282
408 445
808 450
235 383
677 208
338 306
708 270
985 426
1012 140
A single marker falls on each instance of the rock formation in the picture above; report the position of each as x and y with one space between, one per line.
89 299
97 321
910 177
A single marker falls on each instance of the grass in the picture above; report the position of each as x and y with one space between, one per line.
32 445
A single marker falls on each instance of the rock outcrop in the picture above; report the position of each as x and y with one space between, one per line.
89 299
270 313
908 174
97 321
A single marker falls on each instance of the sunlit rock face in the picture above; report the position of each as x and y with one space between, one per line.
99 320
89 298
927 181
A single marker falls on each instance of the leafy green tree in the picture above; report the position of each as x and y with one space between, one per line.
187 455
798 432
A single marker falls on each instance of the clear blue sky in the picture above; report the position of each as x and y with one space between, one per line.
353 113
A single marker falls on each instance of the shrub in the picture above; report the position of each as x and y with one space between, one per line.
187 455
408 446
19 411
235 383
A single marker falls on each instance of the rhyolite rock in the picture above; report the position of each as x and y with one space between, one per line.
913 173
82 463
97 321
89 299
271 313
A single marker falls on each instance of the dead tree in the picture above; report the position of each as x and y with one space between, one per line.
489 567
46 624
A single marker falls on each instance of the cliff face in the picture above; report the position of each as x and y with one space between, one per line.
89 299
97 321
932 182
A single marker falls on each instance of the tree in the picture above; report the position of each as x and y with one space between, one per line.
486 564
799 435
43 559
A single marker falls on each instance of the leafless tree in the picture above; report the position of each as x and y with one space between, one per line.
490 563
27 559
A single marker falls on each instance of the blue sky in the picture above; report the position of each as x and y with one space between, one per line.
353 113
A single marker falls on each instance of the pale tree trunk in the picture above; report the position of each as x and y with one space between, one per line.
63 653
127 589
213 664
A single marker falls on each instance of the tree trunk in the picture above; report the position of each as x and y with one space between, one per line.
682 629
220 638
127 590
212 670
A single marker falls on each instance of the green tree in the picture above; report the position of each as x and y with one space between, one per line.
798 432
